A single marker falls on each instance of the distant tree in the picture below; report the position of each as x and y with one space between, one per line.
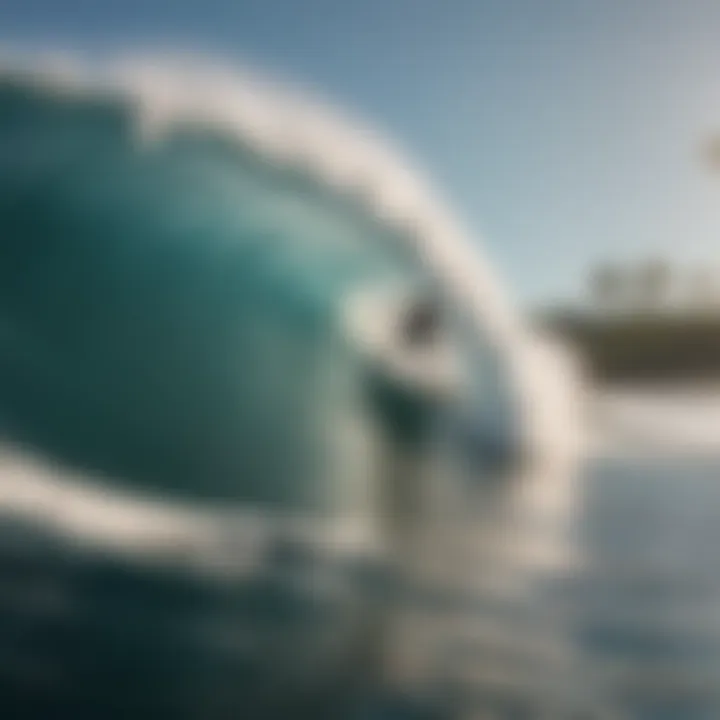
607 286
711 152
703 289
654 283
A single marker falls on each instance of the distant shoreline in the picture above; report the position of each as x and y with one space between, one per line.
652 350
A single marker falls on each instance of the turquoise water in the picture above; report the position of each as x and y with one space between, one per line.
169 313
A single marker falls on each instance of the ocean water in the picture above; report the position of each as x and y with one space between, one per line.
260 442
645 607
627 630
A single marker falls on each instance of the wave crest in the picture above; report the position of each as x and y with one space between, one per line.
291 128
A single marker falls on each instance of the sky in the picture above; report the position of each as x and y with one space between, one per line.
561 132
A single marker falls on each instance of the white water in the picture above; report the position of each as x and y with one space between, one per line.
662 422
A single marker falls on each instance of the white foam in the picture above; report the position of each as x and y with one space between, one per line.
657 422
89 510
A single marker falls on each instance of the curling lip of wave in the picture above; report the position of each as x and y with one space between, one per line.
291 128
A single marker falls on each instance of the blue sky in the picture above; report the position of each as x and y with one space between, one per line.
561 131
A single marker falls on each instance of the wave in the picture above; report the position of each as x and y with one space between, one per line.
166 217
202 274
